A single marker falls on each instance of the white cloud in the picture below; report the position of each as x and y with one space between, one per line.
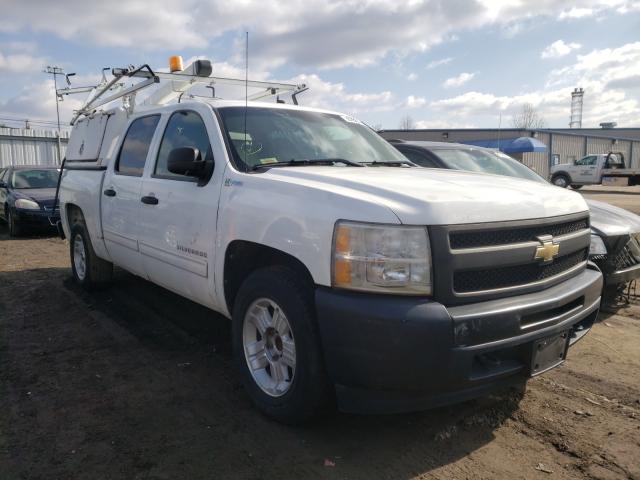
604 74
334 96
319 33
438 63
576 12
559 49
415 102
412 77
458 80
443 124
20 63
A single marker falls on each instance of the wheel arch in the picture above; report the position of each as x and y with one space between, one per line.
243 257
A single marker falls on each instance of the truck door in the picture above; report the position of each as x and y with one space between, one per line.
179 225
585 170
121 198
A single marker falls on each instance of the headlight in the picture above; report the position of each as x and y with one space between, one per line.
27 204
597 246
381 258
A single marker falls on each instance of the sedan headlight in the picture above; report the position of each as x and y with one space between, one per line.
27 204
381 258
597 246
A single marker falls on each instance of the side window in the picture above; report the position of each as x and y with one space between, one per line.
135 147
418 158
590 160
184 129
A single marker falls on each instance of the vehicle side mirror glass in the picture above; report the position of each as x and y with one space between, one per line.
186 161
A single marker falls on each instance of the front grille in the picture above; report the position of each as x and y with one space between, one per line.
619 260
505 236
490 279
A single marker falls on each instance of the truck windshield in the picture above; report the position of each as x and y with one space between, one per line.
35 178
486 161
277 135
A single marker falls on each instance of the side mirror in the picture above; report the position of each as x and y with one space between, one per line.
186 161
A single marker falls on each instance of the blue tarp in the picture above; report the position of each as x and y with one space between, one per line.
512 145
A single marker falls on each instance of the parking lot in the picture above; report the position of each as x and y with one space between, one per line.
135 382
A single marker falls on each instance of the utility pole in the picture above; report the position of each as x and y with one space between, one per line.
55 71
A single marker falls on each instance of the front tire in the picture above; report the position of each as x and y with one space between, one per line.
89 270
15 230
276 346
561 181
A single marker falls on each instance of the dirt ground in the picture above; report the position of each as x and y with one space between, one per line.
137 383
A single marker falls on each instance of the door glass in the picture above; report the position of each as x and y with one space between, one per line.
184 129
418 158
135 147
590 160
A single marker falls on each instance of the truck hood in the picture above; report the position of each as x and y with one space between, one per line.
610 221
425 196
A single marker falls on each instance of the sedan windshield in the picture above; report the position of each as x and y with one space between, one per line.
34 178
486 161
298 137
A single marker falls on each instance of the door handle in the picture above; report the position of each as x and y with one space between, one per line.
110 192
149 200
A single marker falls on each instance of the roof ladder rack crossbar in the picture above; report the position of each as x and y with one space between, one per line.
94 101
180 83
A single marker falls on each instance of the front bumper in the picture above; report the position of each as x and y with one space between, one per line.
622 276
395 354
37 218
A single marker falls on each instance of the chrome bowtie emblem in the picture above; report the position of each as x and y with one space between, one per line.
547 250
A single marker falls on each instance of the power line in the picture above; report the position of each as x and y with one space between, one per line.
27 119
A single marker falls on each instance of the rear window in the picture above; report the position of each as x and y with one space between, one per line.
135 147
34 178
485 161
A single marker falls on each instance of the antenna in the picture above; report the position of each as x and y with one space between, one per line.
246 94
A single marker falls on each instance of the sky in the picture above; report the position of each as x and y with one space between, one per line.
443 63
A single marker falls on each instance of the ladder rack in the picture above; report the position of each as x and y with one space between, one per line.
177 85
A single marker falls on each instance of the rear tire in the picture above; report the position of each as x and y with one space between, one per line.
89 270
15 230
276 346
561 181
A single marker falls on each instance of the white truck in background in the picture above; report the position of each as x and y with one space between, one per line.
348 274
595 169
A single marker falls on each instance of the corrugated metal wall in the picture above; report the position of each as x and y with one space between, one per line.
20 146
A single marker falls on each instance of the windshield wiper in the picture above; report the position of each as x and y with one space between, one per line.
307 162
393 163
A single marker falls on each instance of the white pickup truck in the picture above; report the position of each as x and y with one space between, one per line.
595 169
348 274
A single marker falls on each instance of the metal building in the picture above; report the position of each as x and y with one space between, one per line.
563 145
27 146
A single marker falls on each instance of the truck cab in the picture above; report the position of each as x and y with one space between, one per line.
350 276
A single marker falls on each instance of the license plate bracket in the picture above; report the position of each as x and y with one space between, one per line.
548 353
